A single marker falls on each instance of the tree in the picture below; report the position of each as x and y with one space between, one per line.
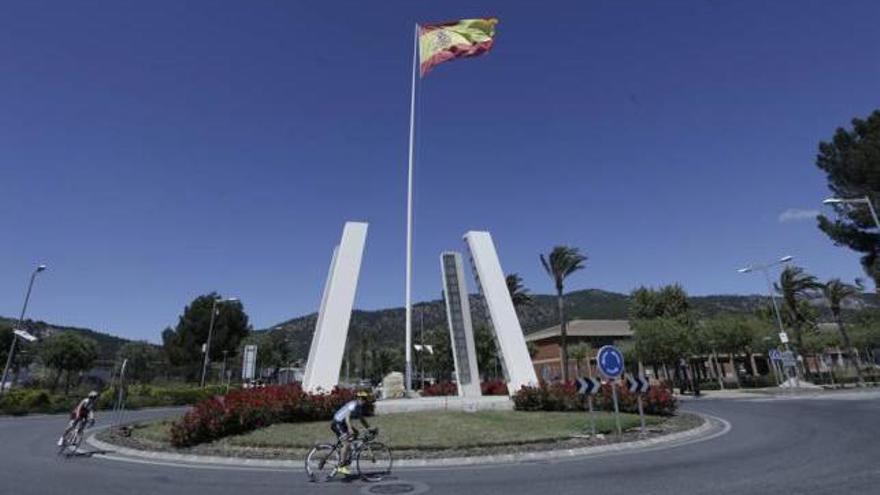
144 361
559 264
580 352
670 301
484 345
68 352
518 292
731 334
183 344
795 285
851 161
837 292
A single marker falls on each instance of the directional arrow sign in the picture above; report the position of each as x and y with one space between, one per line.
588 386
638 384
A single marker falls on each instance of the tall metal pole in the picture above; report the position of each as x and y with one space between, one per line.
409 214
873 211
778 317
27 298
208 343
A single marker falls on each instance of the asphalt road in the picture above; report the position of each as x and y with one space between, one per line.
779 446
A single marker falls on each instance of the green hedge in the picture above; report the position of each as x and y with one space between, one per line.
29 401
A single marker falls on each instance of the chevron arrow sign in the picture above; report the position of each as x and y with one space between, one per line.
638 384
588 386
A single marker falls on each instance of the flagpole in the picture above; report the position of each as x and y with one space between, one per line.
409 214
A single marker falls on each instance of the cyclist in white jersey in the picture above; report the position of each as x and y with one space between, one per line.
343 429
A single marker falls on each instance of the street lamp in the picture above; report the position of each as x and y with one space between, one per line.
211 333
864 200
764 268
38 269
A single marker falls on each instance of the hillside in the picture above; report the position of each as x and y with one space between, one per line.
388 324
108 345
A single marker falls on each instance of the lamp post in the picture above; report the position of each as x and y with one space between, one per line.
764 268
27 298
211 334
864 200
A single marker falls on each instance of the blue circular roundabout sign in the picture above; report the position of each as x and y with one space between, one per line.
610 361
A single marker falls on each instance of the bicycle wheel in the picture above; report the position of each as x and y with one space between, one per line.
322 462
374 461
71 441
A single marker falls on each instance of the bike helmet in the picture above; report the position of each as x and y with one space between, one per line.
93 394
363 395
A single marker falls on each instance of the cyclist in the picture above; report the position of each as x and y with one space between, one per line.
84 411
343 429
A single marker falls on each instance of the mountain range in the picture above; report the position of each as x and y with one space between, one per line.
387 325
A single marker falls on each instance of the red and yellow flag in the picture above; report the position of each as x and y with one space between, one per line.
450 40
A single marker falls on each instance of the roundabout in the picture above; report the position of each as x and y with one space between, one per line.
821 444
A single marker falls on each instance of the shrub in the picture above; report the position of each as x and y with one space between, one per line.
564 397
26 400
439 389
494 387
241 411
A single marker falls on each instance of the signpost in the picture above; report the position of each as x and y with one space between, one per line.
119 405
609 360
589 386
249 362
639 385
775 357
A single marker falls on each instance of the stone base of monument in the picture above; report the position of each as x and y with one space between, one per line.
445 403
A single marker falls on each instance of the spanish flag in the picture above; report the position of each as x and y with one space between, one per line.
450 40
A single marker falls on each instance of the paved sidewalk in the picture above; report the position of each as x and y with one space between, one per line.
447 403
780 393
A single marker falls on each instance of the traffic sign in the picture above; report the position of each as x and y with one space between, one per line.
783 337
774 355
638 384
588 386
610 362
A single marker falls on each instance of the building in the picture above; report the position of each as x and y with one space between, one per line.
547 357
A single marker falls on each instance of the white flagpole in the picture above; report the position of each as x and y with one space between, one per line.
409 215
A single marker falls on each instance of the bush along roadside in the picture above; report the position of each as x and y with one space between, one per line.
24 401
241 411
494 387
564 397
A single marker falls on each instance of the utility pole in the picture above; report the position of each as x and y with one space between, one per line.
27 298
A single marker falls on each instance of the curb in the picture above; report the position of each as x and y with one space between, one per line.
711 427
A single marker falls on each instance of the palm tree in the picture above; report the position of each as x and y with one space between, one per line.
559 264
836 292
518 292
794 284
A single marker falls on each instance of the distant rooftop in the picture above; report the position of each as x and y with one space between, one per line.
586 328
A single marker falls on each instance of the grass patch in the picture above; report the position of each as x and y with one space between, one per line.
445 430
423 430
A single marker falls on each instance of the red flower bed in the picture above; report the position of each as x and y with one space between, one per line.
245 410
440 388
495 387
564 397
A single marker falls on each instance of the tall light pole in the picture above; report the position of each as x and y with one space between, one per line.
211 334
865 200
27 298
764 268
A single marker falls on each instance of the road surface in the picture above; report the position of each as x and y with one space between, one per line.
781 446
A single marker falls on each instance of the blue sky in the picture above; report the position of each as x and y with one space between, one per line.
151 152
